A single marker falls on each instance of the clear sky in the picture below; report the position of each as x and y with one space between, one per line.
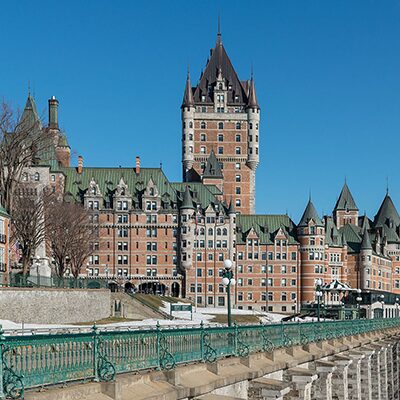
327 75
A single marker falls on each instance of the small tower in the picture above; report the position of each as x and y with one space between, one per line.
346 210
187 230
311 235
188 110
253 112
365 261
212 174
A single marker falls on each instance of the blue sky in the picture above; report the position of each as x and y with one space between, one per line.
326 72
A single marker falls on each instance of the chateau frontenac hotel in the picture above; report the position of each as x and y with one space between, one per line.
168 237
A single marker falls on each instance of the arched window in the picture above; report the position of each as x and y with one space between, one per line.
251 125
238 150
123 191
94 191
238 178
37 176
203 150
190 124
238 138
220 86
225 232
220 125
25 177
203 125
220 137
210 231
219 231
238 125
190 149
201 231
151 191
190 136
203 137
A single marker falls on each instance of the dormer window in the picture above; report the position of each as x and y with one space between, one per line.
151 191
123 192
203 98
220 87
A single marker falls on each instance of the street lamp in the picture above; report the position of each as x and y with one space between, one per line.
318 294
382 297
228 280
358 300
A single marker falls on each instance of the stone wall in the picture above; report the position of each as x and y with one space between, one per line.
54 306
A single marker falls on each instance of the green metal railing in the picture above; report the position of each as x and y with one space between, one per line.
39 360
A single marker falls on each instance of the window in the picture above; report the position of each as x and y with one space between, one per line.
283 282
238 178
238 138
220 150
237 166
122 218
37 176
203 125
220 138
203 149
238 125
238 150
238 203
203 137
220 125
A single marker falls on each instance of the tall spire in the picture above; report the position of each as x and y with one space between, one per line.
253 102
188 100
366 241
219 40
310 213
187 202
346 200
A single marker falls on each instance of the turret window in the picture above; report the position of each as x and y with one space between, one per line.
238 178
190 124
251 125
238 138
238 125
203 150
190 149
238 150
220 150
238 190
203 125
220 125
220 138
238 203
237 166
190 136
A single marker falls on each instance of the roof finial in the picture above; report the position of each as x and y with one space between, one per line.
309 194
252 72
29 88
387 185
219 30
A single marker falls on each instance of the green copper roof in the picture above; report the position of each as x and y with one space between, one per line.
266 227
352 237
213 168
201 194
310 213
332 236
187 202
345 200
3 212
387 214
30 116
366 241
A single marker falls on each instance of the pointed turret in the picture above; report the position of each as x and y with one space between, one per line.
345 200
30 116
253 102
387 214
213 168
231 208
188 100
187 202
310 213
366 241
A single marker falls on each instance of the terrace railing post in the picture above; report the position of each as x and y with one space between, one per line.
2 340
95 352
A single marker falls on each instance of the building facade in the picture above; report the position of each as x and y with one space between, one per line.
171 238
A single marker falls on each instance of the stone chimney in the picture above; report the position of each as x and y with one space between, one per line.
137 169
53 113
80 164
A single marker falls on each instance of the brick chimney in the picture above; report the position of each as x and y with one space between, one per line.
80 164
137 165
53 113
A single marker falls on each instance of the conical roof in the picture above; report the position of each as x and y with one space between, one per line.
345 200
188 100
187 202
30 116
366 241
253 102
310 213
213 168
387 213
231 208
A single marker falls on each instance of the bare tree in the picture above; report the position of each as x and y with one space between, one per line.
28 224
69 234
22 140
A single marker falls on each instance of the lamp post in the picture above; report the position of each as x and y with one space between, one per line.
358 300
382 297
228 280
318 295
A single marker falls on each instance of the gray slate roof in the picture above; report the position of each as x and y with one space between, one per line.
345 200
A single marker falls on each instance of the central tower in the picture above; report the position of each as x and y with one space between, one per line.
221 119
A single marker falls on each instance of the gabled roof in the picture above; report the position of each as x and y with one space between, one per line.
266 227
345 200
213 168
310 213
387 212
220 61
332 236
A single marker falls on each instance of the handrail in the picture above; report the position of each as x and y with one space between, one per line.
39 360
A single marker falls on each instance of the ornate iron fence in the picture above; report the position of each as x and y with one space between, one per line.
39 360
